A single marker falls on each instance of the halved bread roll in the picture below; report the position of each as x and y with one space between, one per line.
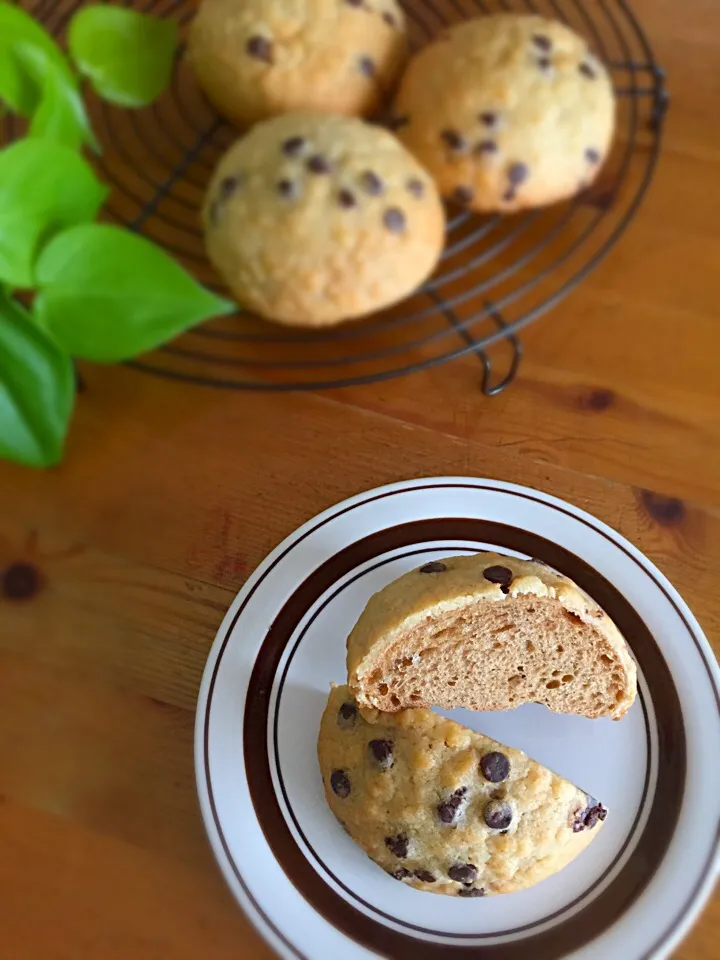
489 632
445 809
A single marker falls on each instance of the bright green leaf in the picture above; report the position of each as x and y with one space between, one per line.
107 294
128 56
37 390
44 188
17 89
60 114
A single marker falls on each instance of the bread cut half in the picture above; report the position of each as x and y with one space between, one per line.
489 632
444 809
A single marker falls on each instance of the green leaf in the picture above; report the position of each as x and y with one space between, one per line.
20 92
37 390
60 113
127 56
107 294
44 188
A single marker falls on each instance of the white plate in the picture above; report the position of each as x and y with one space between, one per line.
315 895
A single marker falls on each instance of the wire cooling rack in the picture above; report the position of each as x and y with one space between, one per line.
498 273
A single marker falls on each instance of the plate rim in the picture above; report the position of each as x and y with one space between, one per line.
252 909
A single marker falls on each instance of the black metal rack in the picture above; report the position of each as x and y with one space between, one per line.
497 275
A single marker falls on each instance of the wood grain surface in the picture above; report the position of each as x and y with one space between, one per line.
170 495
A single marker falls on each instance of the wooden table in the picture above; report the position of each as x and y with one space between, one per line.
171 494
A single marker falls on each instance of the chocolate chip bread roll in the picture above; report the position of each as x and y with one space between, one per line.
489 632
507 112
444 809
312 219
259 58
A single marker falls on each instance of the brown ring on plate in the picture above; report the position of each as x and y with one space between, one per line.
636 874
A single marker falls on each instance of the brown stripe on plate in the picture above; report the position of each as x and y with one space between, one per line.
614 901
447 550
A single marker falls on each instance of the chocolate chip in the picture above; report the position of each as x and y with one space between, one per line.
425 876
389 19
488 118
371 183
340 783
382 753
394 220
472 892
228 186
366 65
260 48
401 874
415 187
288 189
453 139
293 146
346 199
500 575
318 164
587 70
509 195
592 155
435 566
486 146
542 42
347 715
589 817
448 810
518 173
463 872
495 767
398 845
397 122
463 195
20 581
498 814
545 63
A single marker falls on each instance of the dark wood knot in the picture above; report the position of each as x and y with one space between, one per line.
20 581
596 400
667 511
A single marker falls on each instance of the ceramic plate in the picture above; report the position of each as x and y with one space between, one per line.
310 890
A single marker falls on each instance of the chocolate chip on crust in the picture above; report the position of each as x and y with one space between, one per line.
381 752
495 767
260 48
340 783
498 814
399 845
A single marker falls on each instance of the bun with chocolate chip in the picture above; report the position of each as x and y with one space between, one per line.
489 632
507 112
312 219
258 58
444 809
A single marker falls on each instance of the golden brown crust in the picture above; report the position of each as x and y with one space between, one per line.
452 637
419 805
